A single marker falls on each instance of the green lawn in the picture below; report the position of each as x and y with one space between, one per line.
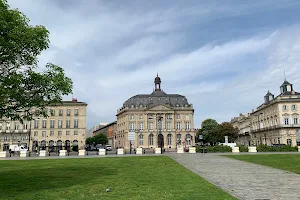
87 178
289 162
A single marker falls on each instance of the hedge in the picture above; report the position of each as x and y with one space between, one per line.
284 148
215 149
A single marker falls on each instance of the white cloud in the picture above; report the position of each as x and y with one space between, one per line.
113 52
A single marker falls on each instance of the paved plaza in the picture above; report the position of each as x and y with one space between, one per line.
243 180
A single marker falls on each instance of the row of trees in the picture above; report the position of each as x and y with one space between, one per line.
22 86
97 139
214 133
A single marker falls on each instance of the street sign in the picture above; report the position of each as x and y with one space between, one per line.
131 135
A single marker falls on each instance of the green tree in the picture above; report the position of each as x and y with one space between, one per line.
90 140
100 139
208 130
226 129
25 91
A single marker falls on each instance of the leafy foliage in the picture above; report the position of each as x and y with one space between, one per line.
285 148
218 149
97 139
214 133
243 148
25 91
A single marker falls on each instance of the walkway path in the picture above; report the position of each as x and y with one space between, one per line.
243 180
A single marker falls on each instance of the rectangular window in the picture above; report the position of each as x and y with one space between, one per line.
59 123
187 117
168 116
294 107
59 133
36 123
51 133
187 125
141 116
36 133
295 120
52 112
284 107
44 134
68 124
24 126
75 132
7 126
150 125
168 126
286 121
178 125
150 117
76 112
131 117
75 123
131 127
52 123
141 126
60 112
67 132
16 126
177 116
44 125
68 112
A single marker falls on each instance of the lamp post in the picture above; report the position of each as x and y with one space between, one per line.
159 120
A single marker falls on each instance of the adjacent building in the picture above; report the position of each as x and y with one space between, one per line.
64 127
277 120
243 123
109 130
155 120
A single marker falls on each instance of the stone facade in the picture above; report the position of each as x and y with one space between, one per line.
156 120
64 127
277 120
109 130
243 123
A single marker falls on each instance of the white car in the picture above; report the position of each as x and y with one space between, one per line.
108 147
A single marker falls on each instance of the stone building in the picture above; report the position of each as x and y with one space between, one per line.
64 127
276 121
109 130
243 123
156 120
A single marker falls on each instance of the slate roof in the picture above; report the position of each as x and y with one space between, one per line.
285 83
156 98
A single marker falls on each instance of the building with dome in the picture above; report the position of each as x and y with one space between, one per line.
156 120
276 121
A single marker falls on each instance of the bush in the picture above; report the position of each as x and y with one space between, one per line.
243 148
218 149
198 149
75 148
285 148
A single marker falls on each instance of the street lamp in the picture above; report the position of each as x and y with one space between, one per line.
159 120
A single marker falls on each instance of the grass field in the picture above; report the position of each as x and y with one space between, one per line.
289 162
87 178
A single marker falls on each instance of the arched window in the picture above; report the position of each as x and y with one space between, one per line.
141 139
188 139
59 144
169 139
75 143
151 139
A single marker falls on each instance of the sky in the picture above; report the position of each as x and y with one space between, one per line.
222 55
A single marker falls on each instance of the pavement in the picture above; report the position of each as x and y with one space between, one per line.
243 180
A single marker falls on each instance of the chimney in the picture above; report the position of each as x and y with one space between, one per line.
74 99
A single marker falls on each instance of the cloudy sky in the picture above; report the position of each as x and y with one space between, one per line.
222 55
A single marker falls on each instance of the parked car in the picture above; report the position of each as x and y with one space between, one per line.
14 148
108 147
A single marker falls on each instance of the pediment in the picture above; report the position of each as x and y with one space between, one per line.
159 108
